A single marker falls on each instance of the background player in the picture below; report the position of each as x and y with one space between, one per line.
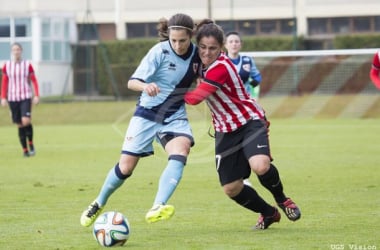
245 65
241 137
163 77
17 91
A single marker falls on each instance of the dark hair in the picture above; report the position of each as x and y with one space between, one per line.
176 22
208 27
233 33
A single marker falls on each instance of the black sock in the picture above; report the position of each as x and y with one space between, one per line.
29 132
271 180
250 199
119 174
22 137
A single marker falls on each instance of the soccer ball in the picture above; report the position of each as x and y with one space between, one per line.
111 229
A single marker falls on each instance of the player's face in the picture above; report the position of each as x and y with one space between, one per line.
180 41
209 50
16 52
233 44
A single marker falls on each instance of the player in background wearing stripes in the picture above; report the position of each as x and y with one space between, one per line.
18 92
241 130
163 76
245 66
375 70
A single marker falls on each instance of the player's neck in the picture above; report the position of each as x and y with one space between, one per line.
17 60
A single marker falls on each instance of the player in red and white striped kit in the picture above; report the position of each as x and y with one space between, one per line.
17 92
375 70
241 130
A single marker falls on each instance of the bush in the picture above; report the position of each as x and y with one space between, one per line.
356 41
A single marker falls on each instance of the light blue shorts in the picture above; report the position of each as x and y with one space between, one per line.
138 140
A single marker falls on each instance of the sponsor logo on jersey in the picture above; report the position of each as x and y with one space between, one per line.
247 67
172 66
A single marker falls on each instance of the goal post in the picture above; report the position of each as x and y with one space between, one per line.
314 71
316 76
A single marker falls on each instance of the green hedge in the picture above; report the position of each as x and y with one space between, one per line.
356 41
122 57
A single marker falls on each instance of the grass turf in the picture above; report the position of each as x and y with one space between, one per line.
329 167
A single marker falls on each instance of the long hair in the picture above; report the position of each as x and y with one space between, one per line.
177 21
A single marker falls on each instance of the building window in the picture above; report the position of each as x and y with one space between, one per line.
136 30
5 50
88 32
268 27
152 29
377 23
340 25
55 45
247 27
317 26
23 27
287 26
15 30
362 24
227 25
5 27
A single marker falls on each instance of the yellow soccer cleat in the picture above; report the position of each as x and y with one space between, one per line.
90 214
159 212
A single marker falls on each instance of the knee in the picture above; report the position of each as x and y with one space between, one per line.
127 164
25 121
259 164
234 188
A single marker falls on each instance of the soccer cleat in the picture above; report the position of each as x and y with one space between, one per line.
290 209
90 214
159 212
26 154
265 221
32 152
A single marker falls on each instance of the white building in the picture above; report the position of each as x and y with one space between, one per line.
47 28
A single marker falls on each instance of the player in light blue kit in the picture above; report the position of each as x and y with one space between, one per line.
163 77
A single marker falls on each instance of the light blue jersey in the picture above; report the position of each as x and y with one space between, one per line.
248 71
173 74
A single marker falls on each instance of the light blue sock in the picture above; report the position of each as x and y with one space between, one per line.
170 178
112 182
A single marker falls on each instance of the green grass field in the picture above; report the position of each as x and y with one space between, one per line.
329 167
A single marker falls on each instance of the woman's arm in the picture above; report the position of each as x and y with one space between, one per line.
200 93
149 88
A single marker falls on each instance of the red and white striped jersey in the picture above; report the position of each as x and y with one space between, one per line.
230 104
17 78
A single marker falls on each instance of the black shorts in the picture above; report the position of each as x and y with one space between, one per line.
232 150
20 109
